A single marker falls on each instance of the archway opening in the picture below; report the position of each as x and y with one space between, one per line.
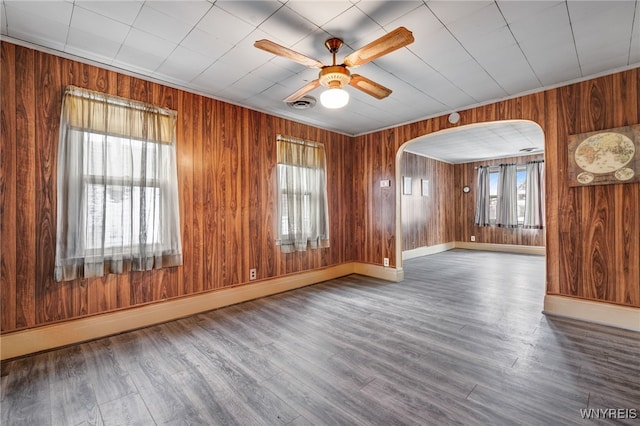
433 211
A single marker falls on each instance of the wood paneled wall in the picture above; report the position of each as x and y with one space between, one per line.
427 221
592 233
466 174
226 159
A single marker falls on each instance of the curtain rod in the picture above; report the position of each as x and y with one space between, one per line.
540 160
291 139
117 100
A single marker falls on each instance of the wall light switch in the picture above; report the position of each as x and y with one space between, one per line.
385 183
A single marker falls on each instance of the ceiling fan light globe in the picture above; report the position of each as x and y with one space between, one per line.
334 98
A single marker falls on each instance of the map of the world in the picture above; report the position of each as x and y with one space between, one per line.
605 157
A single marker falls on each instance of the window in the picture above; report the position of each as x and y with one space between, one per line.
494 173
303 219
117 187
510 195
111 190
521 188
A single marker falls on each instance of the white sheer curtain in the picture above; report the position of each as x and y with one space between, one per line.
482 197
118 207
534 201
507 208
303 218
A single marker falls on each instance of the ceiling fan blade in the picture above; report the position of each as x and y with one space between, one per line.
279 50
394 40
369 87
303 91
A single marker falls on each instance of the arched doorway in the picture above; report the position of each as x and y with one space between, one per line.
458 148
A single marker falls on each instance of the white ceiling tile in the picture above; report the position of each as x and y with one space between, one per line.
524 9
443 90
544 59
224 26
353 27
183 64
251 84
164 26
215 78
272 72
296 81
593 48
421 22
480 142
35 28
313 47
634 50
253 12
138 61
54 11
287 27
450 11
3 19
489 43
205 43
91 45
145 51
288 64
100 26
617 17
320 12
384 12
510 70
409 97
121 11
549 23
599 11
550 75
188 12
473 80
599 63
149 43
432 76
441 50
271 98
244 57
477 23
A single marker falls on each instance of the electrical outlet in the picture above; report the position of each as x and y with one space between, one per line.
473 238
252 274
386 261
385 183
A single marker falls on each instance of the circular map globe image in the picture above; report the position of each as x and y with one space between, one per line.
604 153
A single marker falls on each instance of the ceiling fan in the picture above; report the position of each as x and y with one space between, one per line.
336 76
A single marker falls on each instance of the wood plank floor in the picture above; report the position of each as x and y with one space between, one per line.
461 341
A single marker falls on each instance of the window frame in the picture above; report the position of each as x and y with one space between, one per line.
494 171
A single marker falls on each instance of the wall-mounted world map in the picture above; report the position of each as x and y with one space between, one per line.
605 157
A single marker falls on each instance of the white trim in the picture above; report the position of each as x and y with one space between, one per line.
425 251
626 317
65 333
508 248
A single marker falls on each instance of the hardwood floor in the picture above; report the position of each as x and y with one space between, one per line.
461 341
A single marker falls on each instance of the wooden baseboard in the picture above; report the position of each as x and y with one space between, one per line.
377 271
66 333
626 317
507 248
424 251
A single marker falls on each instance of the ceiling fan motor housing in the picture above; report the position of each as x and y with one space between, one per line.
334 76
